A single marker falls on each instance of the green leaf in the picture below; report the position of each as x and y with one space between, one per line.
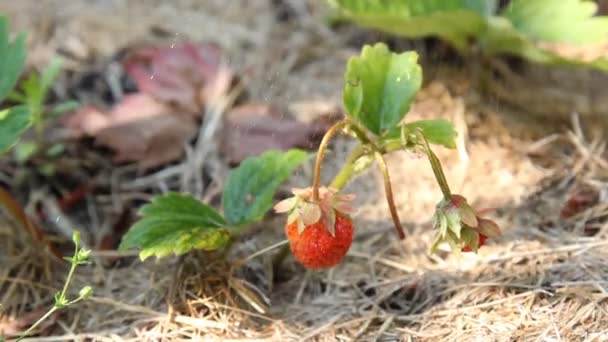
176 223
379 87
250 187
563 21
25 150
453 20
439 132
501 37
64 107
55 150
12 58
13 122
49 74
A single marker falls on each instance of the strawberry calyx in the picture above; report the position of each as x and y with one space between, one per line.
302 208
461 226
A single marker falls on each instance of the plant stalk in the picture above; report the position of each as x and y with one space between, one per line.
35 325
324 142
389 194
437 169
348 169
70 274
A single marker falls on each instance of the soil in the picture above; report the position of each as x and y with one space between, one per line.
544 279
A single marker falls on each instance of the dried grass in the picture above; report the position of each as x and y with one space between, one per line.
543 280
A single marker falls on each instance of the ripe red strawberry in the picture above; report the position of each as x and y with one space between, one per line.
315 247
319 232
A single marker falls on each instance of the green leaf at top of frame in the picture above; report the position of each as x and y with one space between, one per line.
13 122
12 58
379 87
563 21
501 37
251 187
453 20
438 131
176 223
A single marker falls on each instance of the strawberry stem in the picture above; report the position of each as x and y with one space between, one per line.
389 194
316 180
436 166
348 169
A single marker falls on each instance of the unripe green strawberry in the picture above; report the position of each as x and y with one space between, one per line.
315 247
319 231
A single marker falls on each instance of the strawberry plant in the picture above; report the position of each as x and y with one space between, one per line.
32 93
80 257
28 99
14 120
526 28
379 87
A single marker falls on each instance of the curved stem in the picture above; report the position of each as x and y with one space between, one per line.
324 142
389 194
437 169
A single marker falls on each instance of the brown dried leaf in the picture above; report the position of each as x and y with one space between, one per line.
187 75
152 126
251 129
13 326
139 128
151 142
578 202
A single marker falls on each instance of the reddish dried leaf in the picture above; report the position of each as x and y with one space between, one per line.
152 126
90 120
579 202
13 326
139 128
184 74
251 129
151 142
75 196
16 213
111 238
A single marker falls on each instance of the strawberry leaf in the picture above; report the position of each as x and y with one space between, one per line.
250 187
502 37
379 87
13 122
563 21
176 223
452 20
439 132
12 58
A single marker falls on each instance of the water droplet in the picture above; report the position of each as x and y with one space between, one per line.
172 45
151 77
398 79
